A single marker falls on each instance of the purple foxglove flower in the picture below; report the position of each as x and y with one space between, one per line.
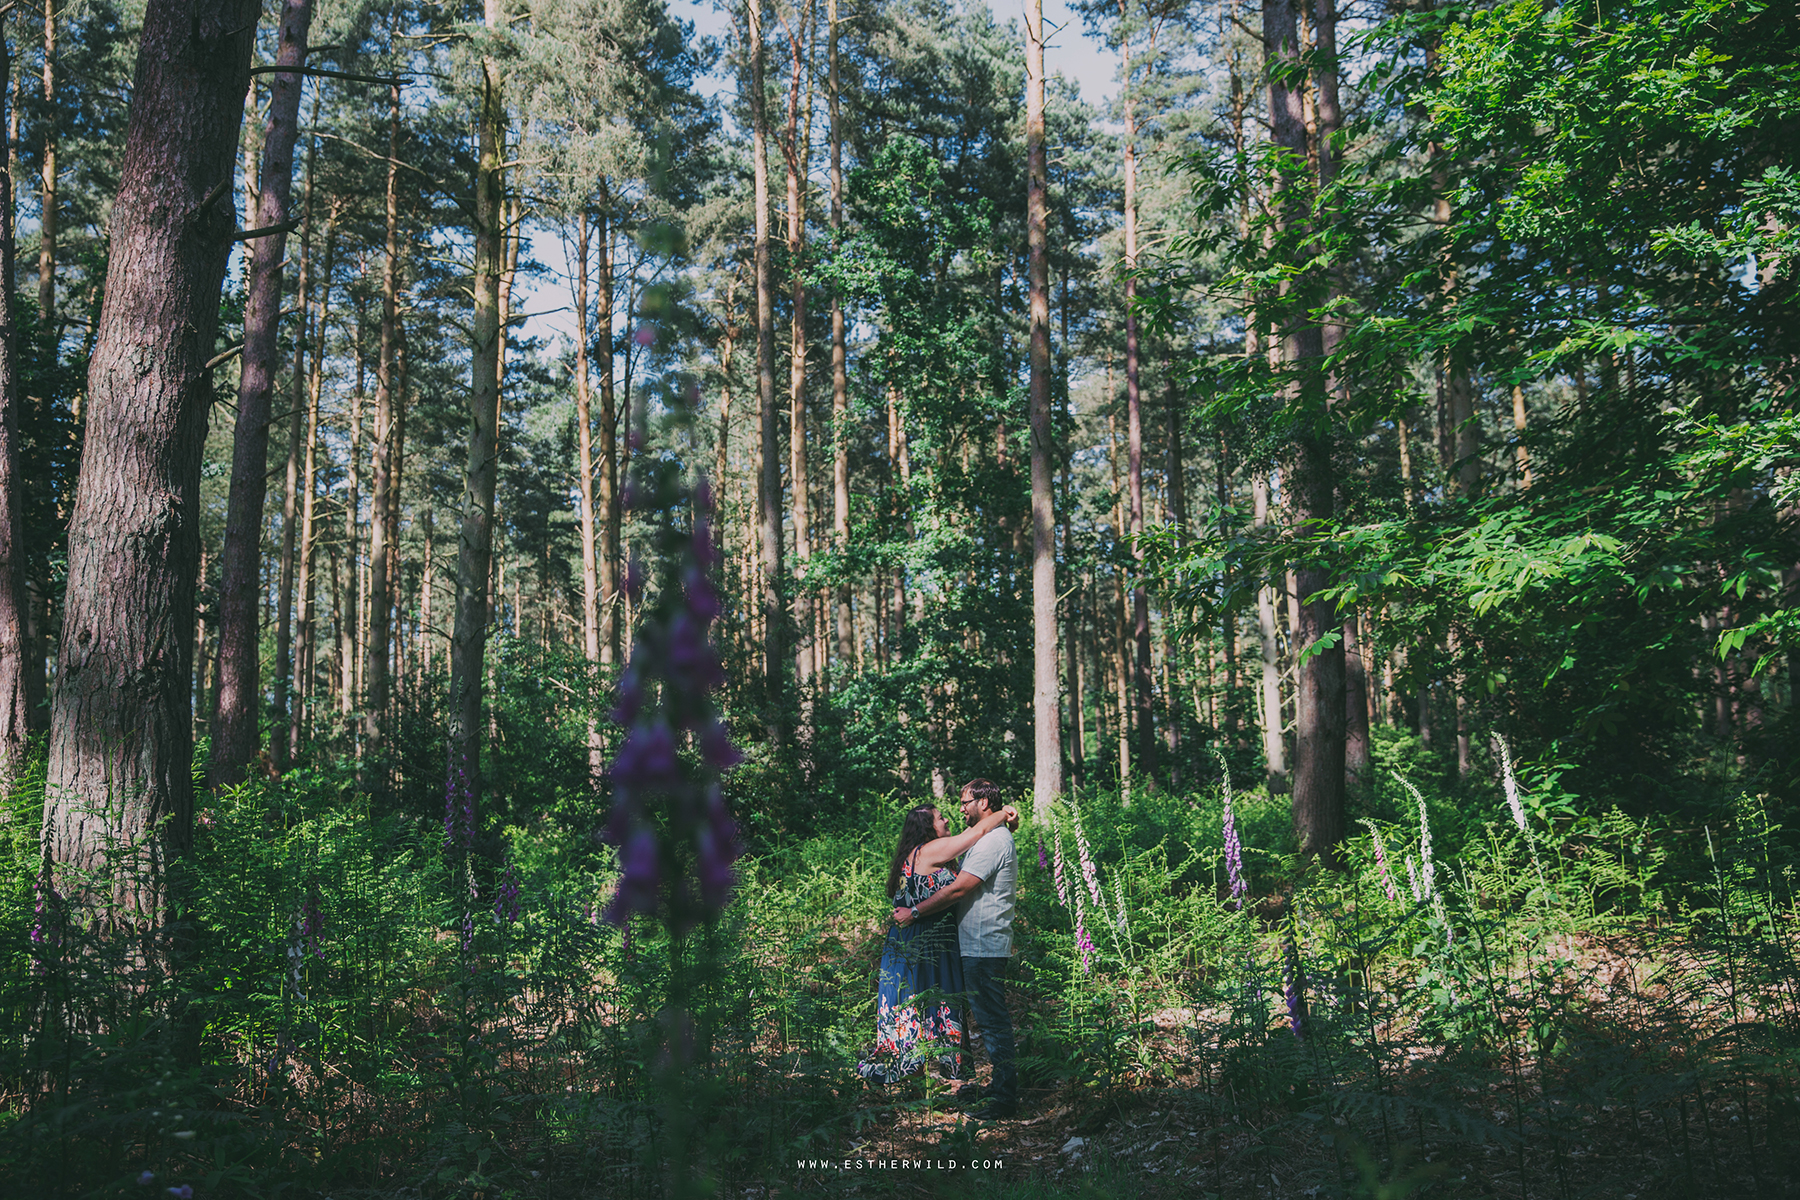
506 898
715 745
702 601
642 865
1293 986
1043 859
718 850
1088 871
184 1192
631 697
1234 856
147 1178
1387 878
692 663
669 818
647 760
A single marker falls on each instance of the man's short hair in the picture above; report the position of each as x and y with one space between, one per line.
985 790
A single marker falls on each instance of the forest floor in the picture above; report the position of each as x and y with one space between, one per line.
1151 1138
1185 1121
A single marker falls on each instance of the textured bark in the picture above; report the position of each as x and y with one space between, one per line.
350 629
1120 620
584 442
1356 708
900 472
1330 120
1176 476
1318 805
1046 709
385 501
1521 455
609 444
15 694
1268 632
1229 633
796 149
1134 432
120 786
284 599
306 638
1075 764
236 729
47 181
840 377
474 559
769 475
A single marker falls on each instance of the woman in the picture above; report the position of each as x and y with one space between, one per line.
922 959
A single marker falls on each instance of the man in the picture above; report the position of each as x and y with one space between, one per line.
983 890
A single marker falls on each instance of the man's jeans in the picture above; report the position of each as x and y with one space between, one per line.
986 981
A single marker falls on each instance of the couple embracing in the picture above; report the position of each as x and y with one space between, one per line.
951 939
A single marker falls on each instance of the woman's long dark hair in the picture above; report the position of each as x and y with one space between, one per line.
919 827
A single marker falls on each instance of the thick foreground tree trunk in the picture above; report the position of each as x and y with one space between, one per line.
120 787
1047 781
1318 806
238 715
15 695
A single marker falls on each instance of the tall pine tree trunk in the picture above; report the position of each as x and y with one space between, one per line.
47 220
769 454
1318 805
121 751
1356 707
236 731
584 441
350 632
1268 633
1046 708
1177 504
609 439
306 655
286 671
1228 634
475 547
385 504
796 150
15 694
1134 428
840 376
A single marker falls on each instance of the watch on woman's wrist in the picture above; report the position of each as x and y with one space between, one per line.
915 912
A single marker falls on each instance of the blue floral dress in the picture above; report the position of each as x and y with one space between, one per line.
918 1016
